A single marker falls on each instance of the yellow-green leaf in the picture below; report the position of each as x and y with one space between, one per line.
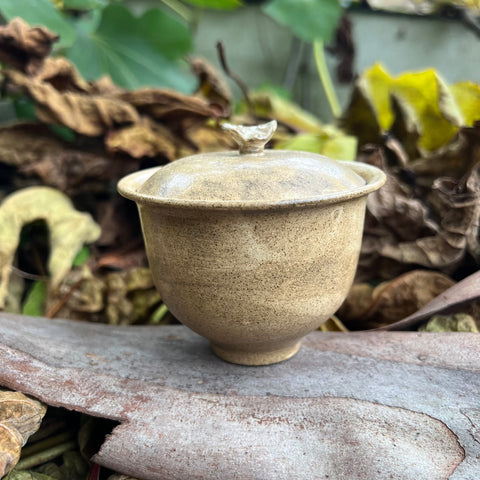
269 104
423 103
376 84
467 96
425 98
338 146
69 230
460 322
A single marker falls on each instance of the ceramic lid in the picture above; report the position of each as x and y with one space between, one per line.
251 174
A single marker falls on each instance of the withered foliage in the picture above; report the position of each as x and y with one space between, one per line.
83 138
426 137
421 228
20 417
25 48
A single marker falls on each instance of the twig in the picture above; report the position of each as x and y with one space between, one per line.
54 310
28 276
233 76
325 78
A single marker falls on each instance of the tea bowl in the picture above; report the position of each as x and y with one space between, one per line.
253 249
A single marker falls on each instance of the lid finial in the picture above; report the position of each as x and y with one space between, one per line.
251 139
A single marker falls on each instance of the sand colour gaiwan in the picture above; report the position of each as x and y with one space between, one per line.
253 249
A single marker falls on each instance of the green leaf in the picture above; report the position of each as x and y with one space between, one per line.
82 256
36 298
216 4
166 33
40 13
122 47
26 475
25 108
309 20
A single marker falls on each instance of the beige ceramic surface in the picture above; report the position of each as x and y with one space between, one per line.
253 251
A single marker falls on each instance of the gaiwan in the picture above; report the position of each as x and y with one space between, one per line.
255 248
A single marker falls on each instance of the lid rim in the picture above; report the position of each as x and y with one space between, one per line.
375 179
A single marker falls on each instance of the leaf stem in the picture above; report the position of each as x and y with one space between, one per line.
159 313
45 444
325 78
45 455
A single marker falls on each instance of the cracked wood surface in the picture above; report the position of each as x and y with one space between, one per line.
366 405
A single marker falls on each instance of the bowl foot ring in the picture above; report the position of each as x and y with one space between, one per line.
242 357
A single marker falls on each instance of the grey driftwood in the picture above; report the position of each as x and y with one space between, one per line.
379 405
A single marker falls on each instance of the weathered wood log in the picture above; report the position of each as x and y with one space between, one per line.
379 405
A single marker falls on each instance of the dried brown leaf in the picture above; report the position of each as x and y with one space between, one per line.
459 295
457 204
62 75
65 166
143 139
209 138
80 296
87 114
212 84
403 296
23 47
168 105
20 417
131 295
357 303
105 86
404 228
26 143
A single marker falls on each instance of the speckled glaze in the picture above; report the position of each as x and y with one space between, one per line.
258 253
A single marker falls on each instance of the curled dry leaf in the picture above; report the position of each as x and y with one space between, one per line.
57 163
145 138
357 304
69 230
392 301
13 148
20 417
105 86
457 204
90 115
23 47
168 105
433 229
79 296
131 295
206 137
118 298
62 75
